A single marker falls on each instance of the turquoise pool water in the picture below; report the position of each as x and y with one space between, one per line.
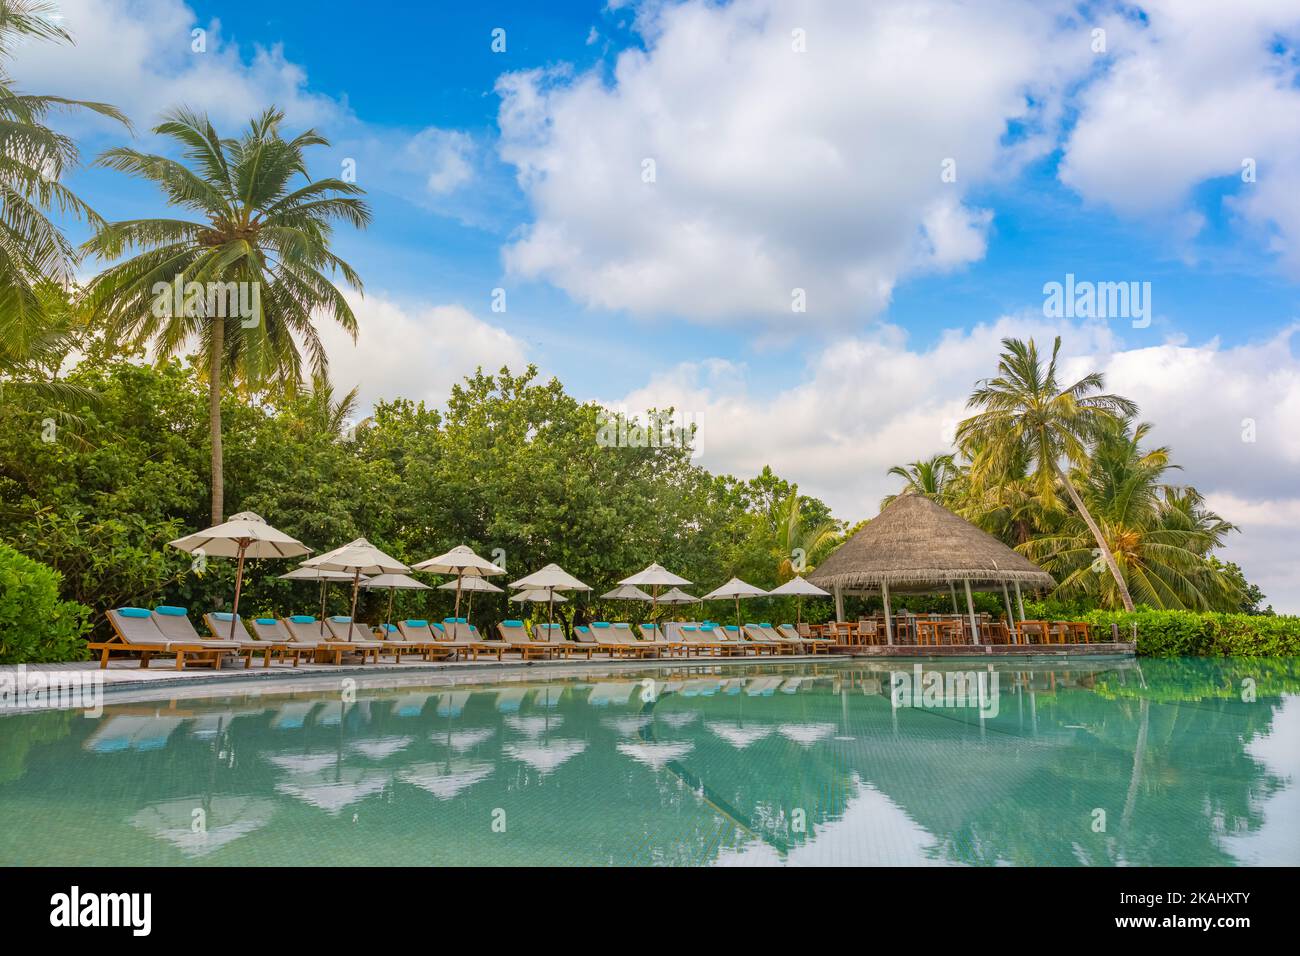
1188 762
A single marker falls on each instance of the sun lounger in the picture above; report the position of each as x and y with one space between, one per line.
695 638
134 631
516 635
420 636
810 644
616 643
652 635
465 639
762 644
218 622
553 635
175 625
306 630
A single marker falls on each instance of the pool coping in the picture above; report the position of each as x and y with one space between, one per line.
268 682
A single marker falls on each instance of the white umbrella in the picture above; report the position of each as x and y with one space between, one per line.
245 535
324 577
359 557
393 582
539 597
470 584
677 596
627 592
737 589
654 577
462 562
551 578
799 588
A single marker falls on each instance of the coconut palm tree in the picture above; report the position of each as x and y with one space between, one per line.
931 478
1024 414
36 259
257 234
799 544
1161 535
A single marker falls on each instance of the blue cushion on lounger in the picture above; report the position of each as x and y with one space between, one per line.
340 619
439 627
303 619
766 624
265 620
222 616
601 624
747 624
622 625
388 628
731 627
449 620
582 629
647 627
416 623
707 627
689 627
171 611
134 612
514 624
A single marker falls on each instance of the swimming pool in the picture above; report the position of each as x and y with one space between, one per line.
1171 762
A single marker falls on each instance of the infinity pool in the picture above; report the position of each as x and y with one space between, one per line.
1183 762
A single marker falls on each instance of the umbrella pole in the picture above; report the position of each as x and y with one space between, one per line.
389 621
550 619
737 610
798 611
356 589
323 585
239 580
458 580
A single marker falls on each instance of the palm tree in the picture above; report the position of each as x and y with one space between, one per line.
34 254
798 544
1026 415
254 233
1161 535
931 478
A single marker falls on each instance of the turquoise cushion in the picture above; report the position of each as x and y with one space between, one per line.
171 611
439 626
303 619
707 627
582 629
449 620
732 627
647 627
340 619
622 625
265 620
222 616
514 624
747 624
689 627
133 612
416 623
600 623
766 624
388 628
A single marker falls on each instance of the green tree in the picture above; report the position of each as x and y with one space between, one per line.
1025 414
933 478
255 234
1161 535
36 259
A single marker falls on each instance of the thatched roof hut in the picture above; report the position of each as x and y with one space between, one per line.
915 545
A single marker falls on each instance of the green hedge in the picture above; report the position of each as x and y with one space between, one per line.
35 625
1194 634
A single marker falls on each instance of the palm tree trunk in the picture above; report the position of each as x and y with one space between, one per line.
214 418
1096 534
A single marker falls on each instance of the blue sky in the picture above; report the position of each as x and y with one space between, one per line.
797 145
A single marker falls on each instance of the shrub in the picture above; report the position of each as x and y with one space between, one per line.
1196 634
36 626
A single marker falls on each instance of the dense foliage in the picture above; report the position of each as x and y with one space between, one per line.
511 467
36 625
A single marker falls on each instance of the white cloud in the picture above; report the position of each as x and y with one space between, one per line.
1189 95
138 56
865 404
416 352
777 169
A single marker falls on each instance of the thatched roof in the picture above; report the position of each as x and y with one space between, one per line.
916 544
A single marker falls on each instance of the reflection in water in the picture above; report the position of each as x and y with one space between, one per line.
1084 762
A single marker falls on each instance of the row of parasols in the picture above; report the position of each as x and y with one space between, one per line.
247 535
